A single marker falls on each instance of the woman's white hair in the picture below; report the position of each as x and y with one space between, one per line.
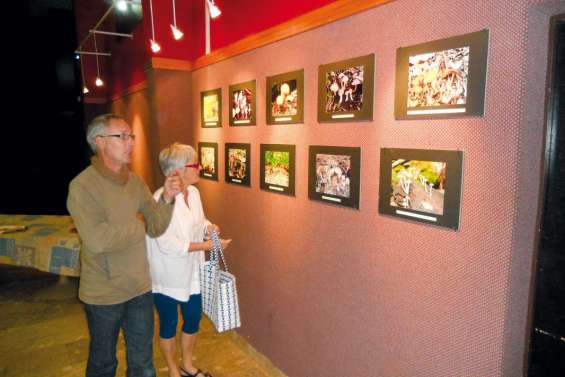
175 157
97 127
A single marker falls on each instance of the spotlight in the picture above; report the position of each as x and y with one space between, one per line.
155 46
177 34
84 88
122 5
214 10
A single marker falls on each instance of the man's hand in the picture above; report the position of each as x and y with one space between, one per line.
210 228
172 186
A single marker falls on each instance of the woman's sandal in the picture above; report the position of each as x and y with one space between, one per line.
199 373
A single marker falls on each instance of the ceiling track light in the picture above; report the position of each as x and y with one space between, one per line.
120 5
155 47
98 81
84 87
177 34
92 53
94 31
213 9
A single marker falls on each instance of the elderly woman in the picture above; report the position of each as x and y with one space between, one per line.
174 260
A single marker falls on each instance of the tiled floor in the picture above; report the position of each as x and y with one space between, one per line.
43 333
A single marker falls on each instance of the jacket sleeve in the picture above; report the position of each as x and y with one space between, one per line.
157 214
169 243
95 232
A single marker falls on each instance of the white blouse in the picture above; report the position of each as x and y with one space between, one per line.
175 270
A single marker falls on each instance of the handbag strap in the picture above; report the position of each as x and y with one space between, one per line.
217 250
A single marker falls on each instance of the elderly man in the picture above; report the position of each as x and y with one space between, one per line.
104 201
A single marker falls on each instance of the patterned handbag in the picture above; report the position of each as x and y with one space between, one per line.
219 293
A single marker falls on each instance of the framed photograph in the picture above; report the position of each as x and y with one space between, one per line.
238 163
334 174
285 98
243 110
345 90
277 168
443 78
422 185
208 157
211 108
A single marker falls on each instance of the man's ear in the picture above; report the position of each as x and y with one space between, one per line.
99 141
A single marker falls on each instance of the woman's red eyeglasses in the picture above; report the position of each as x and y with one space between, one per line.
195 165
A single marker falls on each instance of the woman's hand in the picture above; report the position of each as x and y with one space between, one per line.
225 243
207 245
210 245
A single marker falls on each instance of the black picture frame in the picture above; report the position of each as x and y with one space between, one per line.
421 185
334 174
209 169
248 91
345 90
206 104
268 182
240 171
445 78
288 89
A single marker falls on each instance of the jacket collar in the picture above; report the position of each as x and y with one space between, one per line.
120 178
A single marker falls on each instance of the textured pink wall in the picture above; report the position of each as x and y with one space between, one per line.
136 109
330 291
158 116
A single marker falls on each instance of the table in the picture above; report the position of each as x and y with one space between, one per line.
50 244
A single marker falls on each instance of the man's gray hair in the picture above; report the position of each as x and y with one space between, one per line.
97 127
175 157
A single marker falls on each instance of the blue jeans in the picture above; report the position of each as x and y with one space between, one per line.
104 322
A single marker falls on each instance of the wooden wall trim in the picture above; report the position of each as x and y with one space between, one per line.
95 100
319 17
130 90
173 64
155 63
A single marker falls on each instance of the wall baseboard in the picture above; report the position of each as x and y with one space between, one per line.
257 356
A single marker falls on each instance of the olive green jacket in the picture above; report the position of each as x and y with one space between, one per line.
105 207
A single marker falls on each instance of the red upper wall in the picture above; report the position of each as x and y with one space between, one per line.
128 61
126 67
242 18
232 25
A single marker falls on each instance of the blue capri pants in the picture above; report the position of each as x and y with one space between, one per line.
167 307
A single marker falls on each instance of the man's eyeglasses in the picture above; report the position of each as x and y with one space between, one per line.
195 165
123 136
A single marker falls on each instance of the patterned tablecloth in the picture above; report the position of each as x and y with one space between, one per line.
50 244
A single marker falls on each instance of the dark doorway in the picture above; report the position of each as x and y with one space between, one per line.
547 339
42 145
